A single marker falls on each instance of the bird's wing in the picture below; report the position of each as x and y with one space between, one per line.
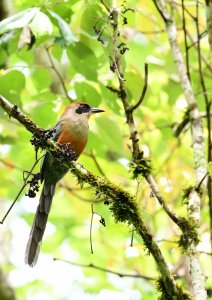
45 160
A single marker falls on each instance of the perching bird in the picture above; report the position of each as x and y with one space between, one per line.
72 129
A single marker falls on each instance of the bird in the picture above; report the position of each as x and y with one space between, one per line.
72 130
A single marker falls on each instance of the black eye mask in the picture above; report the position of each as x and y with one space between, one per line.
83 108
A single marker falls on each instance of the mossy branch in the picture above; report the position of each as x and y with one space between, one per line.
122 203
140 165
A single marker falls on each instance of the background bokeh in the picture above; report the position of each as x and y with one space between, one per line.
29 65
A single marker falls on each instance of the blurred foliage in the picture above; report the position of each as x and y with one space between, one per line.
28 78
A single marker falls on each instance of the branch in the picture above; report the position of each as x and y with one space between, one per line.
105 270
208 108
136 152
198 278
209 21
181 222
140 164
122 204
196 123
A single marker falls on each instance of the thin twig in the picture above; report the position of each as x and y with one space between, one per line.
73 192
143 91
21 190
91 227
207 63
91 223
11 206
132 237
105 5
184 8
6 163
70 189
185 39
163 16
58 74
181 222
133 230
202 35
175 125
202 180
96 162
60 184
105 270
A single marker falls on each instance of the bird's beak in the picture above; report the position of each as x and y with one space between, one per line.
95 110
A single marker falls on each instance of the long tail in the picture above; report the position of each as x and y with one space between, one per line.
39 224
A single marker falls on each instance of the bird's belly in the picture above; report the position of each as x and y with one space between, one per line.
76 142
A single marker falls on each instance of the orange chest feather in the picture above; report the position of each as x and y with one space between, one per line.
78 144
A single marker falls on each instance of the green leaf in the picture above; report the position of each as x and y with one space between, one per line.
19 20
9 41
57 52
41 25
42 113
173 89
41 79
67 34
86 92
13 80
134 84
5 40
95 142
110 132
110 99
91 15
3 57
26 56
83 60
11 85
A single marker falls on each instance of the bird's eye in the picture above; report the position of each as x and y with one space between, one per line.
83 108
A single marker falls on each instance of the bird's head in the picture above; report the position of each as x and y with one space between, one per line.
81 110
